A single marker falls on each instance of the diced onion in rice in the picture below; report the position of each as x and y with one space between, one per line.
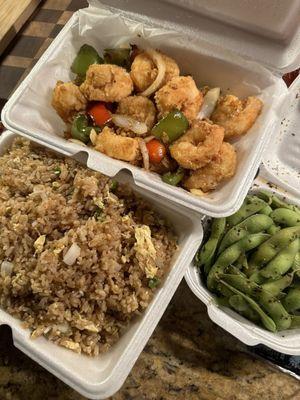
6 268
161 71
209 103
126 122
145 154
72 254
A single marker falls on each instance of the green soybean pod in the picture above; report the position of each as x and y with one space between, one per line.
273 229
285 217
254 224
291 301
240 305
257 278
295 322
207 251
275 202
269 303
232 253
275 287
251 206
266 210
265 319
282 262
274 245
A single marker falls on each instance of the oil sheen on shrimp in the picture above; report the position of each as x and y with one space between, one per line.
198 145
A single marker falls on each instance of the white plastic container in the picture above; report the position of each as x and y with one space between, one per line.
100 377
202 47
281 167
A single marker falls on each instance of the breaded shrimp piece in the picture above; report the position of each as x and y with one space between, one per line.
106 82
140 108
67 100
116 146
235 115
221 167
198 145
143 71
182 93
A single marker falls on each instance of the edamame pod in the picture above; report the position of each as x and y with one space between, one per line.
239 304
266 210
292 299
282 262
275 287
273 229
275 202
273 246
285 217
295 321
251 205
232 253
253 224
207 251
265 319
268 302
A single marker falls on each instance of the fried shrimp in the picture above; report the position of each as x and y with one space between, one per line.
143 71
198 145
223 166
116 146
181 93
235 115
67 100
106 82
140 108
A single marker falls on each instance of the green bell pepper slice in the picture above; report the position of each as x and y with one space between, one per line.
81 129
173 125
173 178
86 56
120 57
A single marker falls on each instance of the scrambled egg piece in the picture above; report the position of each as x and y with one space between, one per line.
67 100
39 243
105 82
139 108
145 250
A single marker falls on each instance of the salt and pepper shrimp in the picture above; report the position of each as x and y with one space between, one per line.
198 145
235 115
106 82
144 71
207 178
117 146
179 93
140 108
68 100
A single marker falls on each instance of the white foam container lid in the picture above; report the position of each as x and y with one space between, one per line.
281 168
211 59
100 377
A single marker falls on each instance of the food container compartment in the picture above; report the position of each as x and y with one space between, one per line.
29 111
100 377
281 167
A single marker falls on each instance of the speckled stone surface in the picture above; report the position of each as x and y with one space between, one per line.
188 357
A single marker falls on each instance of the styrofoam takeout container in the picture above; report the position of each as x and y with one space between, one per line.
279 174
211 52
100 377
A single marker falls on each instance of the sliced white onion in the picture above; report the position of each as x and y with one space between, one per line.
77 142
161 71
72 254
93 136
209 103
6 268
124 121
149 138
145 154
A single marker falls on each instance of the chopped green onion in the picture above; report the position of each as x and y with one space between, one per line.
113 185
57 170
153 282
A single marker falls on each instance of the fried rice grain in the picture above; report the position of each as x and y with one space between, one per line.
48 204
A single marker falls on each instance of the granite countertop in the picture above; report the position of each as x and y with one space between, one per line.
187 357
